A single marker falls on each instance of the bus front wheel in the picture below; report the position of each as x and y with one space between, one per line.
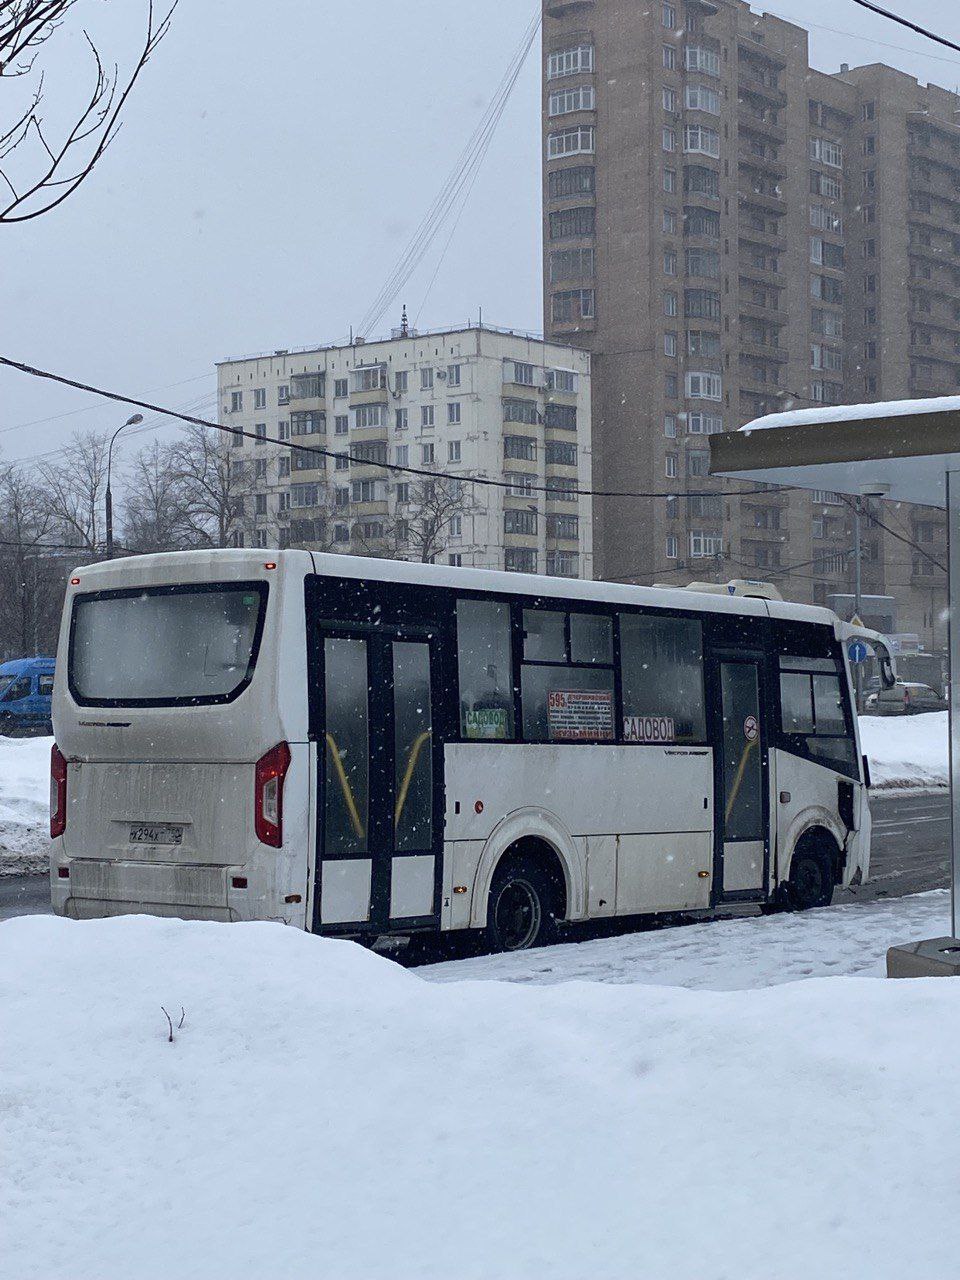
522 911
811 880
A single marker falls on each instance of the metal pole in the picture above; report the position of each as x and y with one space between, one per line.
108 496
858 593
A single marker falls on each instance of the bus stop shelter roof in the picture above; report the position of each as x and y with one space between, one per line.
900 450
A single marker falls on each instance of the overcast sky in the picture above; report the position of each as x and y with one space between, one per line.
273 161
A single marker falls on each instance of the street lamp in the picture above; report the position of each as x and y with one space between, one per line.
130 422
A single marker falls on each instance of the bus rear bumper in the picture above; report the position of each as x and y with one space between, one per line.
93 888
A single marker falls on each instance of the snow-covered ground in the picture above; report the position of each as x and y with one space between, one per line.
323 1113
24 803
907 751
904 751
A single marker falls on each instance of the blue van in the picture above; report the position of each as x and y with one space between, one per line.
26 686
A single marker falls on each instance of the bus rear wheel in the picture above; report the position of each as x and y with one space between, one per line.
522 910
811 880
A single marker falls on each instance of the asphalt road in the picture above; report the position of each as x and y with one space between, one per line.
910 855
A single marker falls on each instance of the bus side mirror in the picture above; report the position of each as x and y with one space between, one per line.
866 772
888 676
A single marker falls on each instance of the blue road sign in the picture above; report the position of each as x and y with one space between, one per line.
857 652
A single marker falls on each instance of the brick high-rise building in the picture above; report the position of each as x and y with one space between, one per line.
730 232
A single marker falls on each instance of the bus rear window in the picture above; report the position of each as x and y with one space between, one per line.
165 646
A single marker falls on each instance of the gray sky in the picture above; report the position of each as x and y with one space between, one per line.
273 162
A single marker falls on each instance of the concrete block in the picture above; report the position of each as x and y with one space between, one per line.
932 958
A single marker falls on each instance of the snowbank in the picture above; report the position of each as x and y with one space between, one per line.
24 804
907 751
325 1114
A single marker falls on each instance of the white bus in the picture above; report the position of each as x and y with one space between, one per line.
365 747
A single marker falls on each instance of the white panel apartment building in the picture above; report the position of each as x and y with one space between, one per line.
472 402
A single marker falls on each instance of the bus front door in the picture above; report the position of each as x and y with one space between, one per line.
379 830
741 783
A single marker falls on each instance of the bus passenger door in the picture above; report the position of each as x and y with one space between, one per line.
379 825
742 763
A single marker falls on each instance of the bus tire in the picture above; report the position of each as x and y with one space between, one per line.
522 908
811 879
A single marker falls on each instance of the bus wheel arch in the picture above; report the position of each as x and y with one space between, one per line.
816 868
534 836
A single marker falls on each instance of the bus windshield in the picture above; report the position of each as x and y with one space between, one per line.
165 646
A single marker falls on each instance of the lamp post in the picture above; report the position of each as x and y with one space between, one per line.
130 422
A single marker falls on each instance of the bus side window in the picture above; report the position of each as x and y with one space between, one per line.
485 666
813 712
661 662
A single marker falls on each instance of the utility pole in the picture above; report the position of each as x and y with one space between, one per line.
858 591
108 499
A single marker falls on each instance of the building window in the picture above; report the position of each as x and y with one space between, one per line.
570 62
562 380
520 560
698 463
704 424
701 304
370 378
564 101
698 97
283 393
455 559
697 58
427 455
701 222
868 110
518 371
670 262
572 305
670 466
519 485
578 181
426 379
560 454
826 151
669 303
560 488
669 139
669 99
260 398
520 522
283 468
669 57
453 450
562 564
705 544
260 432
571 264
400 419
670 344
402 455
670 425
403 492
453 413
670 181
341 533
453 375
236 401
370 415
572 222
340 388
364 491
426 415
571 142
521 411
341 424
671 386
341 462
566 528
703 386
520 447
668 16
701 343
669 222
703 262
284 431
672 546
699 140
561 416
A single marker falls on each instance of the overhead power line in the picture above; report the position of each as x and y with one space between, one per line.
317 451
460 178
905 22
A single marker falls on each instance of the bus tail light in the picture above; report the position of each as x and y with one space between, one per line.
268 799
58 792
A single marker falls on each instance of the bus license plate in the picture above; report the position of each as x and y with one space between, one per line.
166 834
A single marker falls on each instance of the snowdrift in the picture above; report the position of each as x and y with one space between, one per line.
907 751
325 1114
24 803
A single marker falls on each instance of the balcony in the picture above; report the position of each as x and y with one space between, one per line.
746 159
765 129
308 386
762 350
749 85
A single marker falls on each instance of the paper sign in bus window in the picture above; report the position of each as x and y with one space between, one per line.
577 714
649 729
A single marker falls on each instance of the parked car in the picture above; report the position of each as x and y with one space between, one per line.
905 699
26 686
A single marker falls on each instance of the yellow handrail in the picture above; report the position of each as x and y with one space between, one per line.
345 786
408 775
738 780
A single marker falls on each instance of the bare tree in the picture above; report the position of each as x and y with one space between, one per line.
155 514
215 487
40 170
32 572
74 488
420 528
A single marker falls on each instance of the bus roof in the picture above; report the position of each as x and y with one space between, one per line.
202 566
